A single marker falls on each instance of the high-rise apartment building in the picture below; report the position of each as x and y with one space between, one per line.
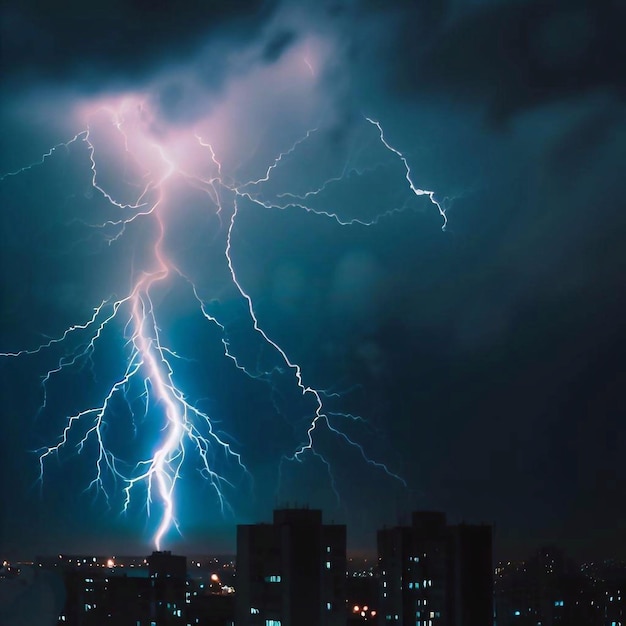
291 572
433 574
167 573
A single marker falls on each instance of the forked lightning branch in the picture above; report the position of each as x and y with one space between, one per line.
182 434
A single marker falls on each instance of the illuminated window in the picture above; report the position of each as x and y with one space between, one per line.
254 611
274 578
272 622
327 564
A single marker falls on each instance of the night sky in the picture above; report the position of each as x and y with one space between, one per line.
483 363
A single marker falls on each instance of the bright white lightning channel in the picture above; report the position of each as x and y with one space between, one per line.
183 428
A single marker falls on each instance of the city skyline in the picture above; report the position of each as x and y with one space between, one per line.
365 257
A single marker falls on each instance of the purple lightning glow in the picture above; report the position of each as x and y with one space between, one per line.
160 161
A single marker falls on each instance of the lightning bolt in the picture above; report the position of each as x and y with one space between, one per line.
416 190
181 428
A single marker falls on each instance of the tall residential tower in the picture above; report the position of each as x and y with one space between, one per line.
291 572
433 574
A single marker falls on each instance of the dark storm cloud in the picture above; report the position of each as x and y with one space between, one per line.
519 55
486 358
508 332
100 40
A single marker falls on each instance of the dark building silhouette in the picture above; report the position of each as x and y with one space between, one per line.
432 574
471 561
123 591
98 598
551 590
291 572
608 582
211 609
168 583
